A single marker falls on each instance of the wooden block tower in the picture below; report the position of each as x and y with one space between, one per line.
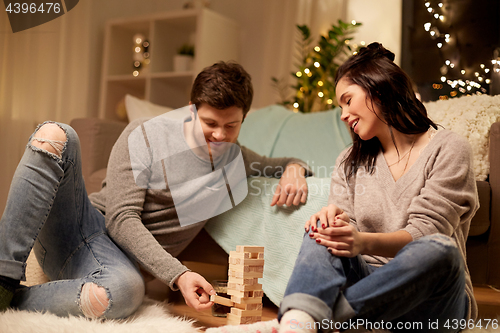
246 266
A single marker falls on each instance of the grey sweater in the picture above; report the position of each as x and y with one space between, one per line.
436 195
143 221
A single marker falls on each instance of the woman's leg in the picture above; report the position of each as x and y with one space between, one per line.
425 282
48 202
317 280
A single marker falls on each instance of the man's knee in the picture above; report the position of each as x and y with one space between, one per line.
94 300
50 137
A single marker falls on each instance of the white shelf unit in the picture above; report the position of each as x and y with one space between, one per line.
214 37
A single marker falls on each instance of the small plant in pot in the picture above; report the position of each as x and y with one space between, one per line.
183 60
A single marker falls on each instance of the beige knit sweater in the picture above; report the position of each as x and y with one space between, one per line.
437 194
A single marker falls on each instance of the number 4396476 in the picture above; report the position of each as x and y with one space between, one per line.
48 7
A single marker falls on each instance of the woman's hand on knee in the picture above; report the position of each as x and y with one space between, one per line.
342 240
326 216
196 290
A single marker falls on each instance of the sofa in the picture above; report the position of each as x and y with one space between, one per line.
316 138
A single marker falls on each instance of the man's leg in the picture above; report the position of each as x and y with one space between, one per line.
48 202
425 282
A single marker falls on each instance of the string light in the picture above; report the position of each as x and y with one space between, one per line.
316 64
317 48
464 87
298 74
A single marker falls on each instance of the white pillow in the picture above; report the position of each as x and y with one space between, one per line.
138 108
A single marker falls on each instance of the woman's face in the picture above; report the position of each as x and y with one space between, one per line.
357 110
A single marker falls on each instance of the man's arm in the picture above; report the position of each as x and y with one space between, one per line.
292 188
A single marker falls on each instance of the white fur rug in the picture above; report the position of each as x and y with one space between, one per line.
151 317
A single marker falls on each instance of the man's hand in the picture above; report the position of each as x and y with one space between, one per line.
292 188
196 290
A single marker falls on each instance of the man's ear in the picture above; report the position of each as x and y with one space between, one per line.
192 110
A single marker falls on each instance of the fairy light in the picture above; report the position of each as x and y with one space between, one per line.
316 64
353 22
296 105
298 74
307 71
317 48
320 94
438 13
320 83
329 101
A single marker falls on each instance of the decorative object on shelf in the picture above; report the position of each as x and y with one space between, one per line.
314 89
195 4
140 54
183 60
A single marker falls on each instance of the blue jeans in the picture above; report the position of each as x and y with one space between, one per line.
48 209
423 285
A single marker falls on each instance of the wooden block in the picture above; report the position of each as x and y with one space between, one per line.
246 300
255 306
245 261
246 255
249 248
246 313
236 320
243 280
221 300
245 268
233 320
244 287
241 275
238 293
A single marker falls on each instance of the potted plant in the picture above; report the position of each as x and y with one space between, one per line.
317 64
183 60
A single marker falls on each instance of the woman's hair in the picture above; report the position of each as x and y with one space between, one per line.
223 85
388 88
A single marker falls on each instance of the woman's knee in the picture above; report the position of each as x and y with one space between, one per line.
440 251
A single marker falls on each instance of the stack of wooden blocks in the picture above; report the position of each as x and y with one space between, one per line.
246 266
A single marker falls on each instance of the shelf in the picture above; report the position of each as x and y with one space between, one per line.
214 37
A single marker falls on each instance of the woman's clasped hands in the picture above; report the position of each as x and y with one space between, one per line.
330 227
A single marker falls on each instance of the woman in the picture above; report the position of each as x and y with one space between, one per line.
388 252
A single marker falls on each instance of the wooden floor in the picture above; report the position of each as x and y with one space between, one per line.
488 301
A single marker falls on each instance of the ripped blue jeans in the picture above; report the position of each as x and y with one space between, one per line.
48 210
419 290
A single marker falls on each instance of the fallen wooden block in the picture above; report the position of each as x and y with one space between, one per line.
221 300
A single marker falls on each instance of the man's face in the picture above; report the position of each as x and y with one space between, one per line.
220 126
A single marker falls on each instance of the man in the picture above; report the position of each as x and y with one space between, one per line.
93 245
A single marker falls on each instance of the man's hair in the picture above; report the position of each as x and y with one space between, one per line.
389 88
223 85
